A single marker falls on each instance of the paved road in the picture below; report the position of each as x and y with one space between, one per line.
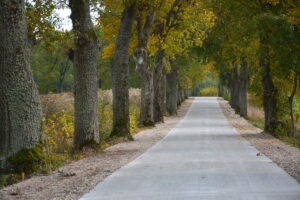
202 158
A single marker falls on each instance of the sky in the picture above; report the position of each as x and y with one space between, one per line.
64 15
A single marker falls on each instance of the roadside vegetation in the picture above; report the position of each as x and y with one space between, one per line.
256 117
65 93
58 129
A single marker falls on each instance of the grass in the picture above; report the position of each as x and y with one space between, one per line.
255 113
256 118
58 132
292 141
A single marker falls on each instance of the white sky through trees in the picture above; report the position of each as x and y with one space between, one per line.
65 23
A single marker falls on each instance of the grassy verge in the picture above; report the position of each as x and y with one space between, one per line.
256 118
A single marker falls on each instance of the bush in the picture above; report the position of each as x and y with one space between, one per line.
59 131
105 116
209 92
28 160
56 148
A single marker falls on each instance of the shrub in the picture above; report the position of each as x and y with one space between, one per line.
28 160
105 116
59 131
209 92
56 148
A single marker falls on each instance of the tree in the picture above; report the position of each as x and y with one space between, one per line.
143 68
243 82
119 74
85 74
162 29
20 108
180 25
172 90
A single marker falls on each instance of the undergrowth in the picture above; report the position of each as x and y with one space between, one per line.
209 92
256 118
56 148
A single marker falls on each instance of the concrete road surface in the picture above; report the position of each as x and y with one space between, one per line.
202 158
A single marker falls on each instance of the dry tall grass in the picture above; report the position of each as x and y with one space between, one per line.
255 113
58 122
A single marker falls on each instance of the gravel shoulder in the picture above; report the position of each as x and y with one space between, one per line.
71 181
284 155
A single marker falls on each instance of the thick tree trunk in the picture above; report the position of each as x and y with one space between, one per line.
243 86
147 95
234 90
291 103
220 90
269 90
20 108
146 77
119 75
144 70
178 96
159 83
164 89
85 74
172 91
182 96
186 93
221 84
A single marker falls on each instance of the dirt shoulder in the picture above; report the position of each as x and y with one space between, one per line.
284 155
71 181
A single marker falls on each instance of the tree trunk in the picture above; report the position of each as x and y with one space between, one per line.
85 74
234 90
186 94
144 70
119 75
159 88
220 90
222 81
172 91
291 102
146 112
20 107
269 90
178 96
243 86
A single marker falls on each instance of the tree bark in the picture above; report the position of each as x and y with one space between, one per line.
291 102
119 75
172 91
220 90
186 94
159 83
243 86
178 96
20 107
221 84
234 90
144 70
85 74
269 90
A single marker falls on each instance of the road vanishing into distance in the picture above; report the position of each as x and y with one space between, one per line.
202 158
